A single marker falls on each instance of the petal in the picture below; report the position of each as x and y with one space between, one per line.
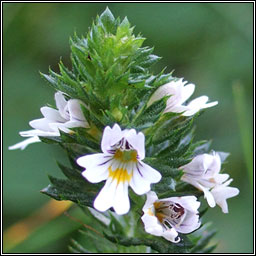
52 114
23 144
60 103
220 178
36 132
188 202
197 104
60 126
176 90
73 124
41 124
191 112
207 183
148 173
189 224
203 166
96 166
198 165
227 183
143 175
211 104
209 197
137 141
64 126
75 111
110 137
151 198
164 90
187 91
171 235
221 193
121 202
176 109
113 194
105 199
214 166
139 185
223 205
152 225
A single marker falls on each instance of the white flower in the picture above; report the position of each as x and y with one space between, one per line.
121 165
67 115
203 172
166 217
221 192
179 94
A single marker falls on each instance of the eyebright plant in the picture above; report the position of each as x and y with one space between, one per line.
134 169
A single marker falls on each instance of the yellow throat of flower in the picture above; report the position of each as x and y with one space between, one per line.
121 174
126 155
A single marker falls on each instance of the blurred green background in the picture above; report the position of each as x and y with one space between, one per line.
209 44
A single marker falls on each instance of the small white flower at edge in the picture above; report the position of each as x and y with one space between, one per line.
179 94
170 216
121 166
203 172
67 115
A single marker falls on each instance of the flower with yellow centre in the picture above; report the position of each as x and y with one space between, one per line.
121 166
166 217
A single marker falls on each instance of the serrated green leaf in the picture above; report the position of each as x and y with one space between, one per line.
165 169
159 244
50 139
162 79
115 226
200 147
150 60
108 21
174 162
82 192
202 212
70 173
123 29
75 247
165 184
171 193
149 115
208 249
174 128
223 156
203 241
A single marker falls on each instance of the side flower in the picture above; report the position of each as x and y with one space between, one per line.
170 216
179 94
203 172
67 115
121 166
